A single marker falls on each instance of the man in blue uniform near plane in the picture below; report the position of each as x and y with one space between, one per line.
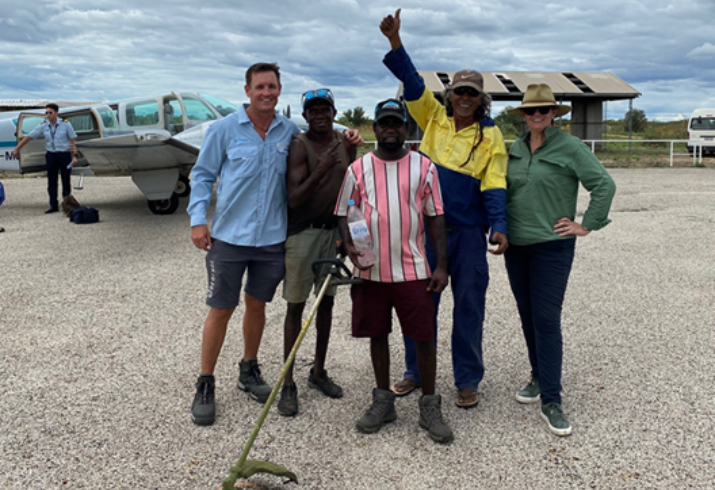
60 139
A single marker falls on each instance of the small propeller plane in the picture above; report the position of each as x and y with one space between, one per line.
154 139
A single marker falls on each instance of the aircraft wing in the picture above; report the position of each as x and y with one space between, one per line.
138 151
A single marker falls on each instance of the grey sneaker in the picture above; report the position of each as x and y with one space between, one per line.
530 393
250 380
431 419
288 404
203 410
382 411
325 384
553 414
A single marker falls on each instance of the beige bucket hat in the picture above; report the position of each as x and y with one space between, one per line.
540 95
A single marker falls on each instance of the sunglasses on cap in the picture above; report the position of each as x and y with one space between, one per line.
391 105
530 111
470 91
321 93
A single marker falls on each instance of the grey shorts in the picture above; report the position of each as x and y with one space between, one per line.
226 263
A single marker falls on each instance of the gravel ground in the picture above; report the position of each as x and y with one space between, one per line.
101 333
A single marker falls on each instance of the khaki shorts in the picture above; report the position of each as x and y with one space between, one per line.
302 249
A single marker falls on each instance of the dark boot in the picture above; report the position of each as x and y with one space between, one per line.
203 411
250 380
288 404
431 419
382 411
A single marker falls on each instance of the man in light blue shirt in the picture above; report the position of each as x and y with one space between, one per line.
60 139
248 151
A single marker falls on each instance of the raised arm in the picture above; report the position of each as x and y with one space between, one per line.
390 28
422 104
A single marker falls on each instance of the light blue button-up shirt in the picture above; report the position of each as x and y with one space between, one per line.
251 199
57 136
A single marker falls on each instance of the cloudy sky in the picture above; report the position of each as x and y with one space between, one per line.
89 49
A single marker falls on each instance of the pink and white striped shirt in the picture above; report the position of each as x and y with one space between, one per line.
394 196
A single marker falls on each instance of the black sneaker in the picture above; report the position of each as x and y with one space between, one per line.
431 419
52 210
325 384
203 411
250 381
288 404
382 411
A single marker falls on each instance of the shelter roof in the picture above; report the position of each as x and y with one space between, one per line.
511 85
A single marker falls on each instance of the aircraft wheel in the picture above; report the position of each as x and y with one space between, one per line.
183 188
164 206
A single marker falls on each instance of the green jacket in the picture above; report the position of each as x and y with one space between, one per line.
543 188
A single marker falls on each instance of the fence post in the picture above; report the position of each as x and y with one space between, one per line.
593 146
671 152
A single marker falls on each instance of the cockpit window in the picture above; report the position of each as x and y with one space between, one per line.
107 116
223 107
196 109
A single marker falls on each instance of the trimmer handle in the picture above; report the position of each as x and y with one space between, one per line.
339 271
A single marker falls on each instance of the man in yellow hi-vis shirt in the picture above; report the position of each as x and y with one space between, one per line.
471 161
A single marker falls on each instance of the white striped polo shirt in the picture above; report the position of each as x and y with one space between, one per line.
394 196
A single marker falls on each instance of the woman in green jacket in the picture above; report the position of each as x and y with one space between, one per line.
545 168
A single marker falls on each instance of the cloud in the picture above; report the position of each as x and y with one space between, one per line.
76 49
703 52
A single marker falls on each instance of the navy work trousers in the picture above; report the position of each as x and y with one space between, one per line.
57 164
538 275
469 278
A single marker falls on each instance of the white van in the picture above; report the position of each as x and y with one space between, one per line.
701 130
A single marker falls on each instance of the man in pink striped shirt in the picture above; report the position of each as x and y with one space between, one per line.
396 189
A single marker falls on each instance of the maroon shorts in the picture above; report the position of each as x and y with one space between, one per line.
372 309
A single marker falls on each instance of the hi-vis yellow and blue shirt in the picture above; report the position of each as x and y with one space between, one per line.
474 194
